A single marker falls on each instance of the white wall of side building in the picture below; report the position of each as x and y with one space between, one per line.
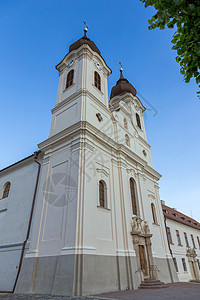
14 217
180 252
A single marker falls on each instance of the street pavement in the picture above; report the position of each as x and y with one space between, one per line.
176 291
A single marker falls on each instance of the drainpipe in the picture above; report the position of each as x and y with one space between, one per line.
36 154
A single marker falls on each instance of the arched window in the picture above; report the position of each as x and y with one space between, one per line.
70 78
125 124
133 196
97 80
6 190
154 213
138 121
102 194
127 140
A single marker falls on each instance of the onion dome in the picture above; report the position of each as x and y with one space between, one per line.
122 86
84 40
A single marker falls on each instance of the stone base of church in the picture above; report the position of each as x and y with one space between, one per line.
164 268
73 275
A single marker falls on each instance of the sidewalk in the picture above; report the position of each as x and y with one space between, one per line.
176 291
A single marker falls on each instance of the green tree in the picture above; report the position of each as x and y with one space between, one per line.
184 16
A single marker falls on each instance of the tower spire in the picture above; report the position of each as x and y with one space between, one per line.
85 29
121 70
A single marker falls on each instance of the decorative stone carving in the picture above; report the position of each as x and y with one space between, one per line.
151 196
146 228
191 252
132 173
139 227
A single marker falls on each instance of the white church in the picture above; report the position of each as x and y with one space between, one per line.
82 215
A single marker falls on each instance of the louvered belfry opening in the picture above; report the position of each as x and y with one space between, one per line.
70 78
97 80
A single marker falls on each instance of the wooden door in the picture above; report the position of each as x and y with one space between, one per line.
143 263
193 269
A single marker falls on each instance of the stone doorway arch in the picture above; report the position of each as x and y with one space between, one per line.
191 254
142 245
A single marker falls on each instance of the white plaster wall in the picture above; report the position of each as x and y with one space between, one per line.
179 252
54 224
14 218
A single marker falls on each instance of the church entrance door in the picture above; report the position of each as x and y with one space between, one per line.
143 263
194 271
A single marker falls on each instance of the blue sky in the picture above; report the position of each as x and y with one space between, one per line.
35 36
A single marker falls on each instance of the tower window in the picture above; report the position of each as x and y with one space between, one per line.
154 213
6 190
138 121
102 194
127 140
70 78
97 80
133 196
125 124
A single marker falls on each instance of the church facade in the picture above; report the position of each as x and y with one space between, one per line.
94 220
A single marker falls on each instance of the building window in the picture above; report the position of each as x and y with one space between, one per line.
6 190
97 80
133 196
184 265
125 124
198 241
127 140
186 239
153 209
178 238
175 264
169 236
198 263
138 121
193 241
102 194
70 78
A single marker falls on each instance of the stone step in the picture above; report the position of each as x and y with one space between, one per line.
154 286
152 283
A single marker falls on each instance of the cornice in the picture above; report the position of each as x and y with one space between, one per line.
58 137
82 51
74 96
104 139
143 141
123 150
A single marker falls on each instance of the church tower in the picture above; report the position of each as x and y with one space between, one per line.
98 223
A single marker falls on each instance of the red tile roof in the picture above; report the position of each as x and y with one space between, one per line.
173 214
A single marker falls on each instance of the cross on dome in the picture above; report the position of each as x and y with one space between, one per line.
85 29
121 70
